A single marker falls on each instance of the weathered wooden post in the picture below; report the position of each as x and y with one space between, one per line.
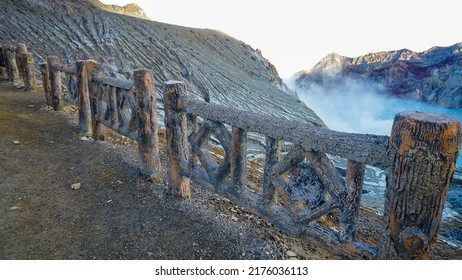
272 156
83 95
238 159
146 114
97 127
21 53
423 151
193 125
112 91
12 66
46 82
177 138
27 67
55 82
30 83
351 200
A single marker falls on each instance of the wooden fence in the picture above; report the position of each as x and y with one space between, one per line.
419 156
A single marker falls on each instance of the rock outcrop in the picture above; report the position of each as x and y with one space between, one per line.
433 76
215 66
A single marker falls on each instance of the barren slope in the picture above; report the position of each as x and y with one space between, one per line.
215 65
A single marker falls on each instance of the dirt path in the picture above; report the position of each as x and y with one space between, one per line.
115 214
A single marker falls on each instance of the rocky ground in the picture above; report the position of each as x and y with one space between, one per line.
67 198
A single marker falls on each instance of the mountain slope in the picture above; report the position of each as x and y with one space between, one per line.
434 76
215 65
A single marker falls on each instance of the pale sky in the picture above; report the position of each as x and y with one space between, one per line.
296 34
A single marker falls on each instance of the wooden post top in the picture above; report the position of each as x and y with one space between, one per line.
22 48
176 87
420 130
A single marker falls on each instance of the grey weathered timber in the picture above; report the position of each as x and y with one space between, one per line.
238 159
113 108
193 126
46 82
223 169
351 199
68 69
146 114
21 59
309 215
12 66
371 149
30 82
272 156
423 151
55 82
177 138
107 80
98 130
83 94
26 67
199 144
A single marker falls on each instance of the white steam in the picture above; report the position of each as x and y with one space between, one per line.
362 107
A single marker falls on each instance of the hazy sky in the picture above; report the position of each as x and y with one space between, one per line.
296 34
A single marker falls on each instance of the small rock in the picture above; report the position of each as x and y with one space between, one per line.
15 208
85 138
234 218
120 182
76 186
16 142
30 106
234 210
291 254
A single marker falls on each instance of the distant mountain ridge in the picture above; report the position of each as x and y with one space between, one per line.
433 76
216 67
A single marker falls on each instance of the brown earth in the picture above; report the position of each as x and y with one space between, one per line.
115 214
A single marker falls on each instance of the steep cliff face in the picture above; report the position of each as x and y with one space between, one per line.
433 76
214 65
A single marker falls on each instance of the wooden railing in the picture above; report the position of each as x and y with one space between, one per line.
419 156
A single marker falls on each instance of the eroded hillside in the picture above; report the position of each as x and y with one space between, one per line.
215 65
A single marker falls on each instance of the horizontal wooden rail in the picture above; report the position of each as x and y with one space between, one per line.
69 69
365 148
111 81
